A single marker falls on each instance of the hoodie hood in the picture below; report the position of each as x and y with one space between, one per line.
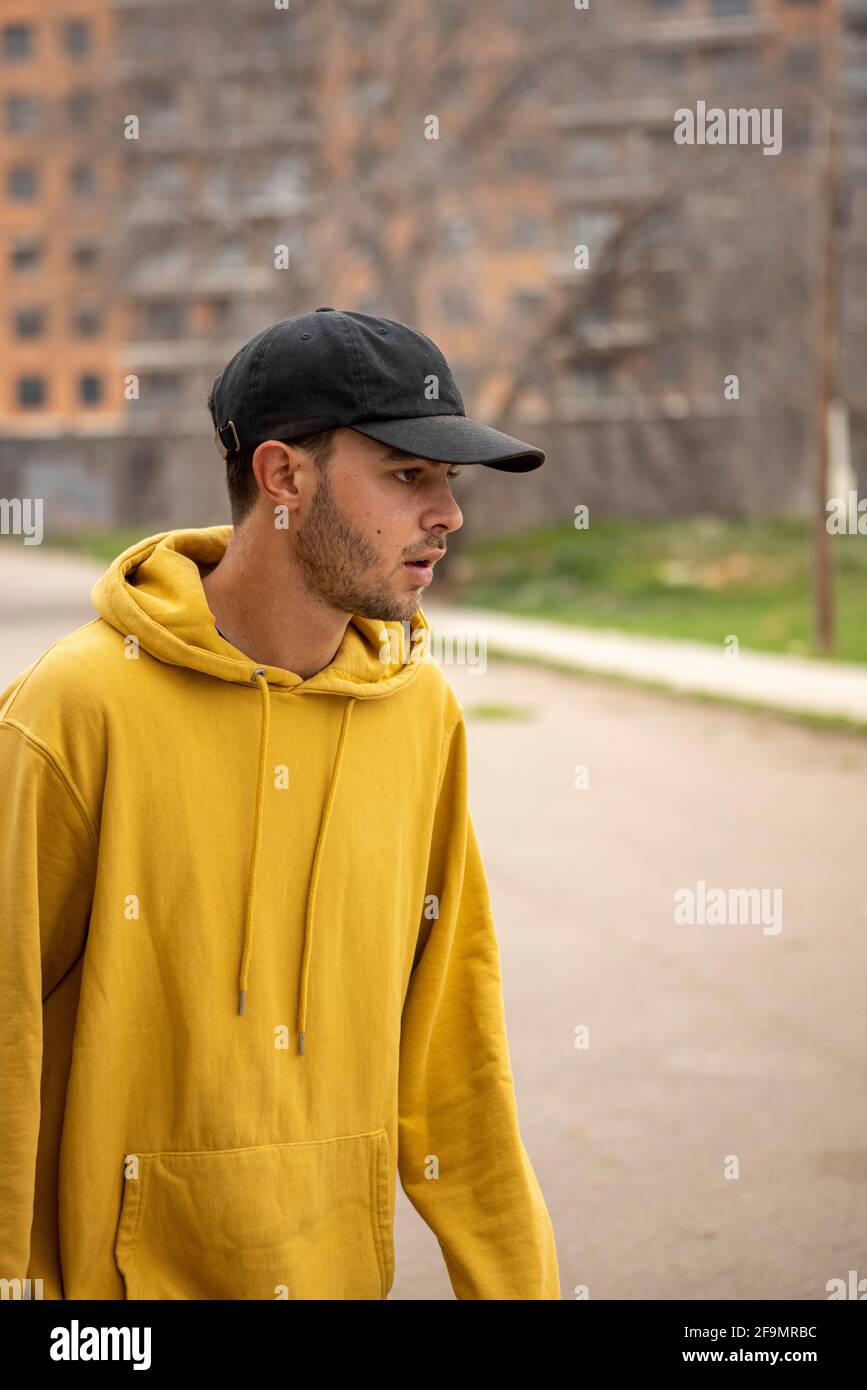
153 592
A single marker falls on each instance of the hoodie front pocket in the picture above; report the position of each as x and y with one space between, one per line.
301 1221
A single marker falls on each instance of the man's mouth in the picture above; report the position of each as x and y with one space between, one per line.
421 568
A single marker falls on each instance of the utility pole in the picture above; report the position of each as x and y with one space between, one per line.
823 569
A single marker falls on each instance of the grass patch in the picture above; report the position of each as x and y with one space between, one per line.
492 711
698 578
103 546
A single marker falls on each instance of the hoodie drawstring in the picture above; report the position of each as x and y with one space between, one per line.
259 677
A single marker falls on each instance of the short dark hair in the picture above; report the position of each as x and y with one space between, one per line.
241 480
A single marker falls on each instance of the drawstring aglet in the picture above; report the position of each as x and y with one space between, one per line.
242 1001
301 1042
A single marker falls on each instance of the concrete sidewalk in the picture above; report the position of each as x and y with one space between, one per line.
761 678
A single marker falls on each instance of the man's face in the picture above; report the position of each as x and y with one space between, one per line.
370 515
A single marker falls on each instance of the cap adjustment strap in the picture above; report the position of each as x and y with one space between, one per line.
224 445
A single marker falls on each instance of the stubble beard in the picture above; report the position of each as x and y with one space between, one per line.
341 568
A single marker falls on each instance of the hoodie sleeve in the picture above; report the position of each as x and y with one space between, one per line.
461 1159
47 859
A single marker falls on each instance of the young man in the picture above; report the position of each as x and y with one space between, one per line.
249 967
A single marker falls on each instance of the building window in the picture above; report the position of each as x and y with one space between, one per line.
22 183
670 363
721 8
31 391
802 60
664 65
161 178
81 180
729 65
29 323
87 323
221 311
590 153
161 103
160 389
85 255
22 114
657 230
657 144
164 318
79 108
76 38
90 389
230 253
17 42
25 256
527 158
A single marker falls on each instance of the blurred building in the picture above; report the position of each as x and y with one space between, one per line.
723 277
164 164
60 329
155 165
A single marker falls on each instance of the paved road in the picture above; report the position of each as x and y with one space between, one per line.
706 1041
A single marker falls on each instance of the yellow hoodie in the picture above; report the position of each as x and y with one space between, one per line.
248 967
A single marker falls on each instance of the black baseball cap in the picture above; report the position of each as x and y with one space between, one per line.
331 368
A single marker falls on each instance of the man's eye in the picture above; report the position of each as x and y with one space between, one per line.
452 473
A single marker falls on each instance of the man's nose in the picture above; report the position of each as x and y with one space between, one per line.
447 514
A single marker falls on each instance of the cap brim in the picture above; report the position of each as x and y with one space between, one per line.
455 439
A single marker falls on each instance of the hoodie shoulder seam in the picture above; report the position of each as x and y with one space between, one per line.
62 772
